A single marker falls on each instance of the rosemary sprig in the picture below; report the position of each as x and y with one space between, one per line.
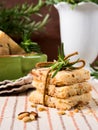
94 70
63 62
18 21
30 46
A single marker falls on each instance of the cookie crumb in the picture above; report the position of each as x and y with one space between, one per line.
76 110
61 112
33 105
41 109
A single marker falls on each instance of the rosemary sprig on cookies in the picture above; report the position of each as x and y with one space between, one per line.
62 63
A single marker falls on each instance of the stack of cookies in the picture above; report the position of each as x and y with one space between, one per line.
64 91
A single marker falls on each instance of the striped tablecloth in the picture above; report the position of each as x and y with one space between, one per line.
11 106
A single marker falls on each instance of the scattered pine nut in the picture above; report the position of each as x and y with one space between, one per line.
32 117
22 115
27 116
32 113
26 119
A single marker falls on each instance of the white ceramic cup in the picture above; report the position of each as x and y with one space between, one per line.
79 29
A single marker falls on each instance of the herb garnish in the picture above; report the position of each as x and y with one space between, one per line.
63 62
19 21
94 70
30 46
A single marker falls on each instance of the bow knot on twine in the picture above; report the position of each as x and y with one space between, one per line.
63 63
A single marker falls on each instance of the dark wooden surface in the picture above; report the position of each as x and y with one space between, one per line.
49 39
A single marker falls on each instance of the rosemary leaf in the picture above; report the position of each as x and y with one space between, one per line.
94 70
30 46
94 74
57 70
63 62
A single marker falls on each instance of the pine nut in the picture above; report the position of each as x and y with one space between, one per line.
32 113
27 116
26 119
22 115
32 117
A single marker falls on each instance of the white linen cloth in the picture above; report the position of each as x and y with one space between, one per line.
11 106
